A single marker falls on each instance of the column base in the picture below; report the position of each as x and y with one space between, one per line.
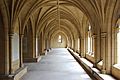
94 65
103 71
16 76
30 60
44 53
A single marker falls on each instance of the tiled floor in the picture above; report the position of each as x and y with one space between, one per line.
58 64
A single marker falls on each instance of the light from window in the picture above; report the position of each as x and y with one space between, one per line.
89 27
118 45
88 43
90 51
60 39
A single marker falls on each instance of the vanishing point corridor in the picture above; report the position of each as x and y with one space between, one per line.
59 39
58 64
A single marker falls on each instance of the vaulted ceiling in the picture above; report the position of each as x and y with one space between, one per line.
45 16
74 15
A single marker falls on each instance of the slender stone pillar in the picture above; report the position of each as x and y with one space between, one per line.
34 47
82 47
43 44
4 54
10 53
103 51
94 49
79 46
21 54
37 46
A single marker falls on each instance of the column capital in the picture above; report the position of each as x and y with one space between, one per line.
94 36
37 37
21 35
103 35
11 34
34 36
103 71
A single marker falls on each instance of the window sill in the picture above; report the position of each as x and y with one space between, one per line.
100 64
117 66
116 70
93 71
90 58
90 54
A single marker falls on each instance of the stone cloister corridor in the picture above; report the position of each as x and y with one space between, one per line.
59 39
58 64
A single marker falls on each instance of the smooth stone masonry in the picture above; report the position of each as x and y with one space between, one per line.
58 64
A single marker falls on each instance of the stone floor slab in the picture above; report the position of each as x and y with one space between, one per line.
58 64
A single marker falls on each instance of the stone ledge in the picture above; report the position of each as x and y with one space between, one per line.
16 76
93 72
116 71
30 60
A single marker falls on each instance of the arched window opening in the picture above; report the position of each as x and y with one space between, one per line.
118 44
59 39
90 41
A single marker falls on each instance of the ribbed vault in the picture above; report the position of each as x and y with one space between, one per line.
42 10
87 26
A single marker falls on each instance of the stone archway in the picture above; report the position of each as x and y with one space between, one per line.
27 44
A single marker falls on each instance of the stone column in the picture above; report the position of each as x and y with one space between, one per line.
34 47
82 47
48 44
69 43
21 54
76 44
94 49
10 53
37 46
79 47
43 44
85 45
73 44
4 54
103 51
40 44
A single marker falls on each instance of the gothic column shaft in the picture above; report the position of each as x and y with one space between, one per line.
94 49
21 54
10 53
103 51
34 47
